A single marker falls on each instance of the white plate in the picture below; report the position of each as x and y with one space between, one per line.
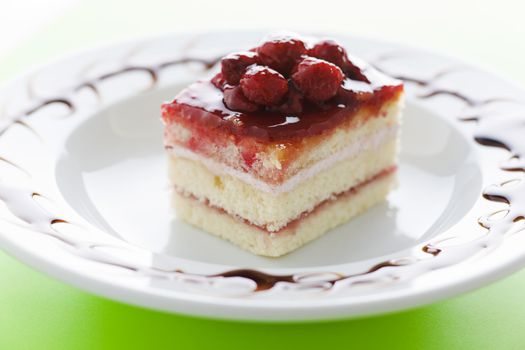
85 192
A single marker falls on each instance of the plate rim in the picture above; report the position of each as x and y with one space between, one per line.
84 283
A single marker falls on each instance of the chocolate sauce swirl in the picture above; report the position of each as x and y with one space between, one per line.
91 84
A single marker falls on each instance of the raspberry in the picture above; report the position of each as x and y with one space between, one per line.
293 102
330 51
234 65
263 85
235 100
317 79
281 53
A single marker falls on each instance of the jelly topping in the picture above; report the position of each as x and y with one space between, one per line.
259 91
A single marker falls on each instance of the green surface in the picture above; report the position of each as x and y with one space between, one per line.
37 312
40 313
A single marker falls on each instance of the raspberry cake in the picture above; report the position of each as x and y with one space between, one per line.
289 140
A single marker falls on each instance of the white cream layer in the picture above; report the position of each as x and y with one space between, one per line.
382 136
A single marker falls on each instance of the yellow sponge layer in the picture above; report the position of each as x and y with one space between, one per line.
309 227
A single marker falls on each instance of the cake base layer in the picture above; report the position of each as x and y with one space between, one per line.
310 226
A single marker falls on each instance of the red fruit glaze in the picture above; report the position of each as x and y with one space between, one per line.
263 85
317 79
219 81
355 72
235 100
281 53
234 65
352 92
201 106
249 156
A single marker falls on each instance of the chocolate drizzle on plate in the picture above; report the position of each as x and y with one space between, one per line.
67 101
506 132
263 281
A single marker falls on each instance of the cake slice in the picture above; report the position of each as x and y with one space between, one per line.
288 141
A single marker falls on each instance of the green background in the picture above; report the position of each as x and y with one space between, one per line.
37 312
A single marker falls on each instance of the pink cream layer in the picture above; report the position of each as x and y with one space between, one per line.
295 222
